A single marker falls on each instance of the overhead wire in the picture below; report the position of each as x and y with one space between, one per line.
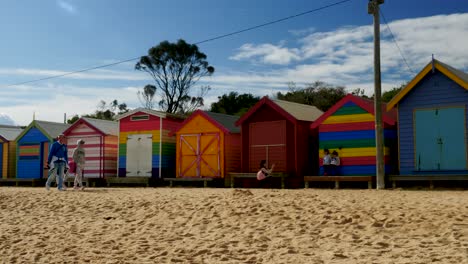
196 43
396 43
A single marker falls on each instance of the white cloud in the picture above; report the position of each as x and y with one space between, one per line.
51 101
268 53
100 74
345 56
67 6
6 119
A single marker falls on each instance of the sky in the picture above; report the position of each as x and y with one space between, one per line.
41 39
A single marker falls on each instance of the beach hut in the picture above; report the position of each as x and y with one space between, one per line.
208 145
8 135
33 147
279 132
145 147
432 122
101 145
348 127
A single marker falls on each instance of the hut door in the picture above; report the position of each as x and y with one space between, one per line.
139 155
200 155
440 139
268 142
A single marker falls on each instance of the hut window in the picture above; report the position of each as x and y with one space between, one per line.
139 117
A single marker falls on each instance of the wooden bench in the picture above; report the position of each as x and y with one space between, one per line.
128 180
204 180
427 177
338 179
234 175
17 181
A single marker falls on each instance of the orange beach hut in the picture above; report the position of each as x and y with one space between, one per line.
208 145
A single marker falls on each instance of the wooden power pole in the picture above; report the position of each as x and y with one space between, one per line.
373 8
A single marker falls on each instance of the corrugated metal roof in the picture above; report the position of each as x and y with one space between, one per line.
52 128
108 127
227 121
458 73
148 111
10 132
299 111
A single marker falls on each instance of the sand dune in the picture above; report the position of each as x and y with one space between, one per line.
185 225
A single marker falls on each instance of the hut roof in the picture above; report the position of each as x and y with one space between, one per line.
105 127
388 117
227 121
455 75
149 112
50 129
292 111
224 122
9 133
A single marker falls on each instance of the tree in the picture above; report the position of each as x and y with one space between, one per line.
359 92
175 69
234 104
319 94
105 111
388 95
146 96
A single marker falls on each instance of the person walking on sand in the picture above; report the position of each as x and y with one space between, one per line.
79 159
57 160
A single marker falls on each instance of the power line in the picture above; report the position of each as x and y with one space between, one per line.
196 43
396 43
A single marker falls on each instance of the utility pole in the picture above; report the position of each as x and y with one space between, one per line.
373 8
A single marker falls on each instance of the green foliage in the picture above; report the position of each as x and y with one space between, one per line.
234 104
319 94
105 111
175 69
388 95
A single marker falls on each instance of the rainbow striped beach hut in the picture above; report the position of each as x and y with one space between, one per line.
145 147
348 127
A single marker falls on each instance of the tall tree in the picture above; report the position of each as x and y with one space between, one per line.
319 94
175 69
104 111
234 104
146 96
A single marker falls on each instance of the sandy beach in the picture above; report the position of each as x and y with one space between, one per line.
197 225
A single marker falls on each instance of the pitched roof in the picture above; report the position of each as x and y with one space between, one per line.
149 112
50 129
224 122
388 117
292 111
300 111
227 121
105 127
455 75
9 133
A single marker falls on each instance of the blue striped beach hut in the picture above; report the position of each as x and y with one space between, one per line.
32 148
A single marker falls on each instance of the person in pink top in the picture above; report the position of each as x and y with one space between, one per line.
264 172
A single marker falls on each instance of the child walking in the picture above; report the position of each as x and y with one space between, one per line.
79 159
326 162
335 163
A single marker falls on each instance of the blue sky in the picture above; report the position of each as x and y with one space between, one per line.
50 37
